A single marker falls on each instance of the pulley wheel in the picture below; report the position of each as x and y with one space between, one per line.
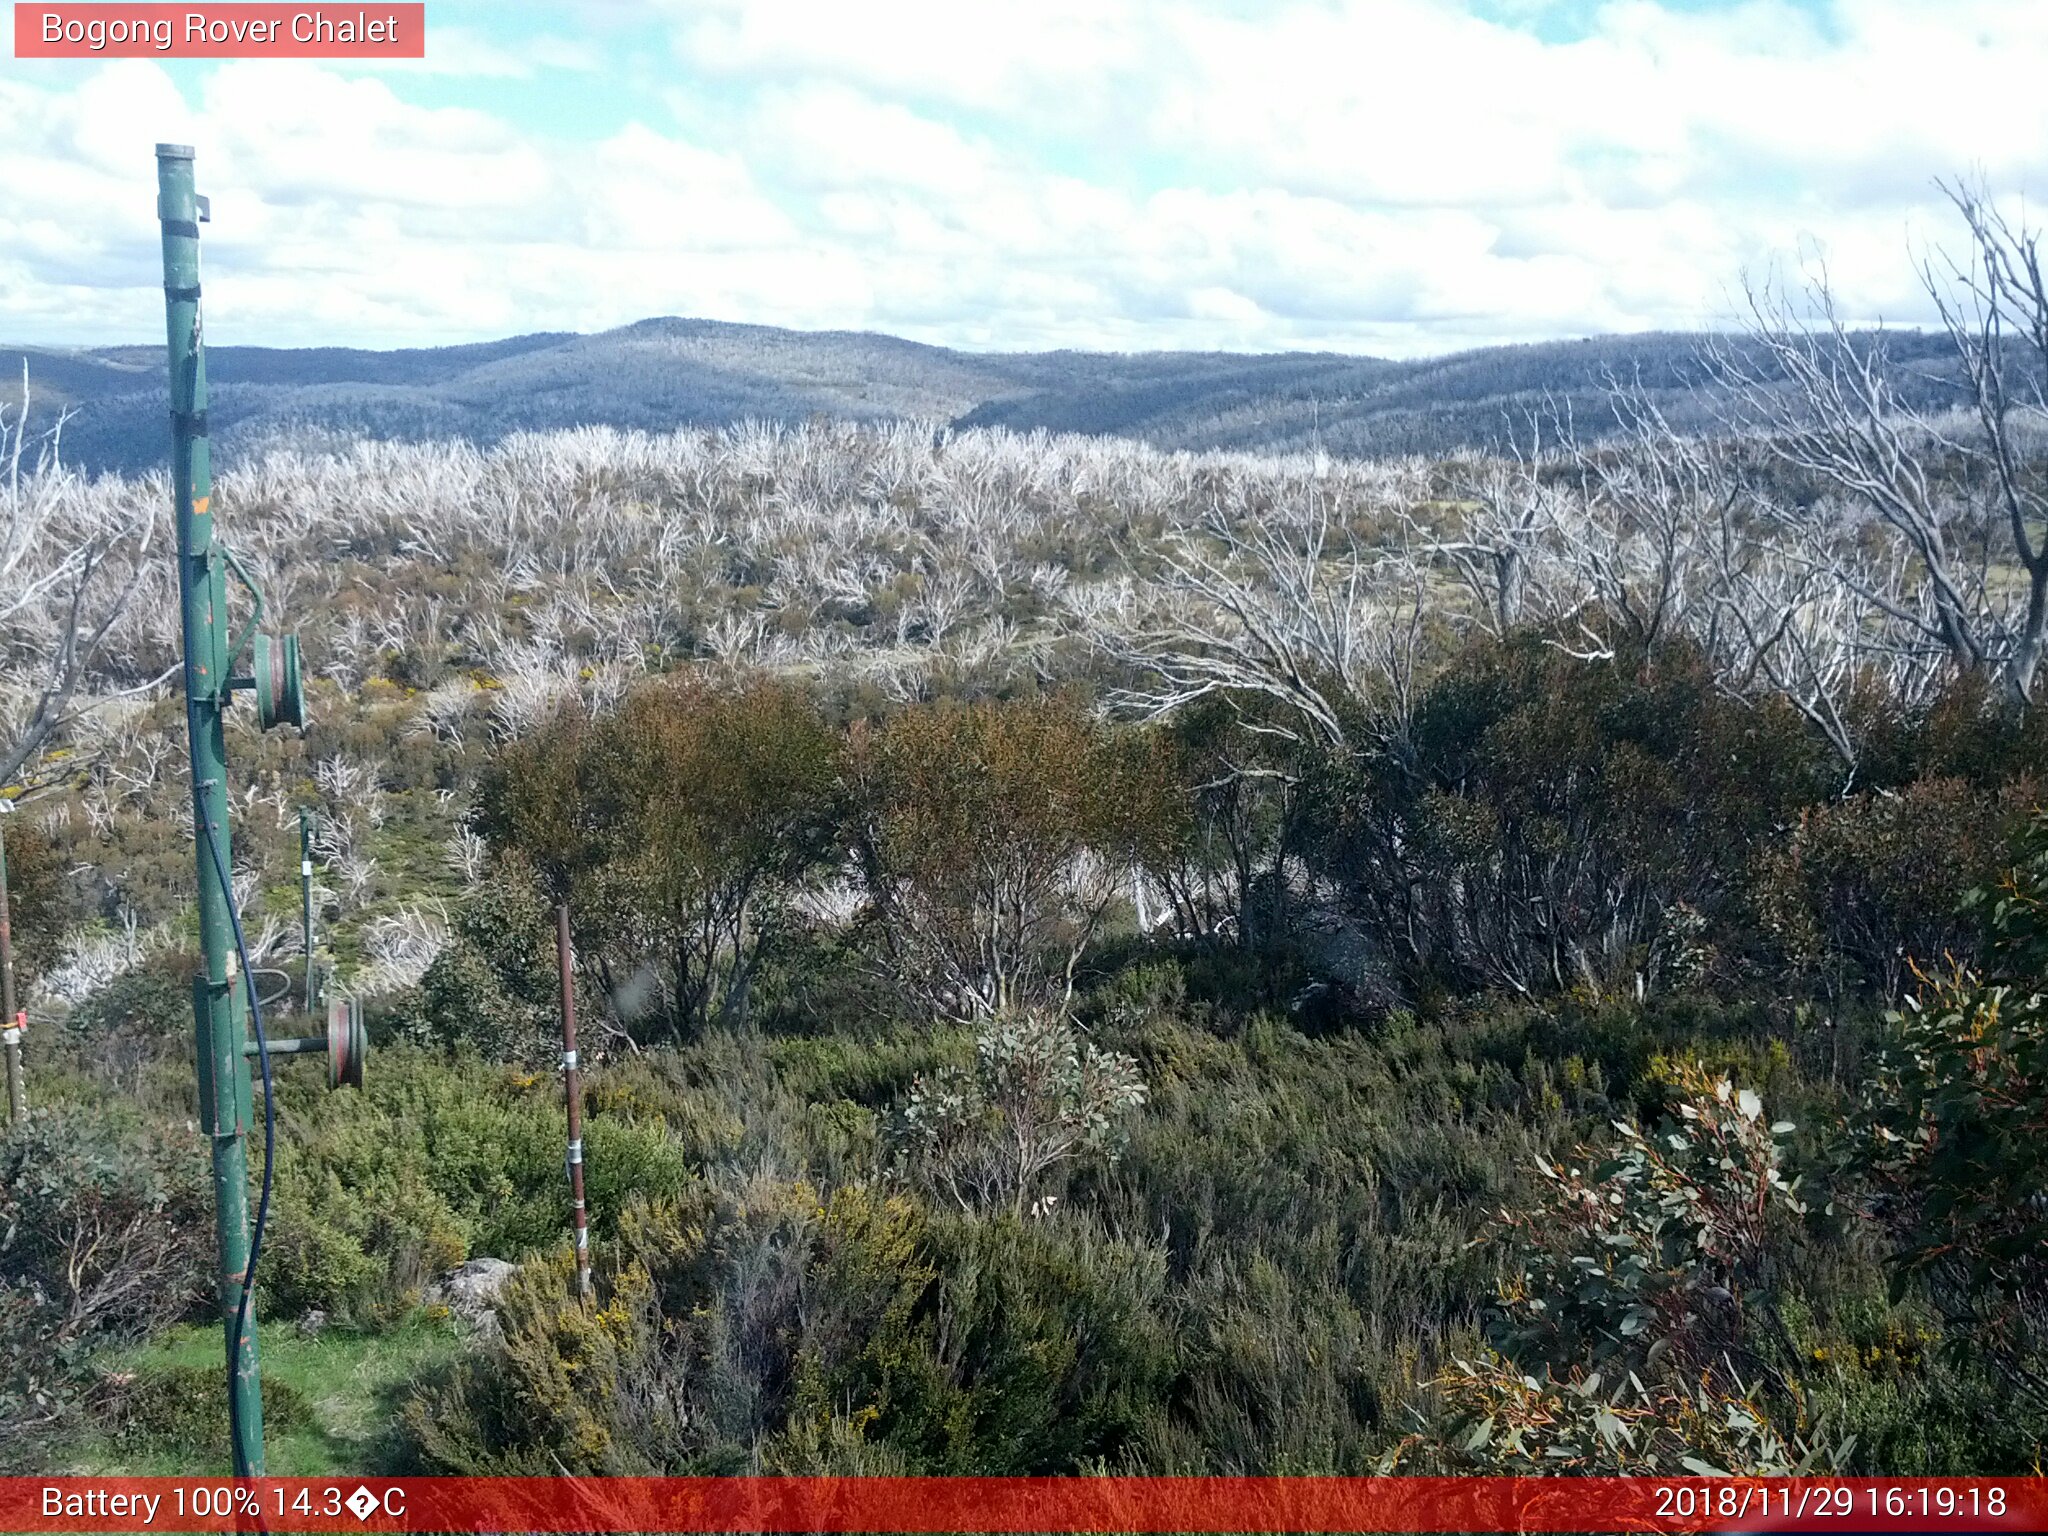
347 1043
280 693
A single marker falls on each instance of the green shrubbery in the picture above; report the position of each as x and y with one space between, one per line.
923 1138
1952 1138
1862 887
437 1160
1542 825
43 899
105 1236
1642 1333
1039 1097
182 1409
496 988
770 1328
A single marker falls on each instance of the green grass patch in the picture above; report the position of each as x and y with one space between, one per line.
332 1399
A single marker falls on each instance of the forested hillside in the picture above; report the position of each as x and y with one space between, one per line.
662 374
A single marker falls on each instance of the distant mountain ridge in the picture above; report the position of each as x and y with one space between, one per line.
661 374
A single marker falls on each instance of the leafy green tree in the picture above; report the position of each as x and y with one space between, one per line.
495 989
682 824
990 840
1550 823
532 797
1224 807
1861 885
41 899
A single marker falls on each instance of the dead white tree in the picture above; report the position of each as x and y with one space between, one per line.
1638 550
1995 306
1783 626
1964 495
1678 537
1299 614
1502 544
71 559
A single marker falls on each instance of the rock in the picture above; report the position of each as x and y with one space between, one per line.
313 1324
470 1293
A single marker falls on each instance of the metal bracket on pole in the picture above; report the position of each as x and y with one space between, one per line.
255 602
346 1044
274 662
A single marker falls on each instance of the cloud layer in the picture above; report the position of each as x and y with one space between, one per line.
1399 176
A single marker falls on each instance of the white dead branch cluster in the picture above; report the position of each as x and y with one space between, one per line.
73 556
1271 609
94 957
1851 532
398 947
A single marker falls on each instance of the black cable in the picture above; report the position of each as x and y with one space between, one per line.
227 892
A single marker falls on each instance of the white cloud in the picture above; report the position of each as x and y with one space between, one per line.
456 49
298 133
983 54
643 192
1399 175
825 137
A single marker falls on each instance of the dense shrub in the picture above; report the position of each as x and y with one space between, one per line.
435 1161
1953 1136
1862 886
131 1038
1039 1096
692 1358
182 1409
990 840
769 1329
1641 1333
683 821
496 988
1550 823
105 1237
43 900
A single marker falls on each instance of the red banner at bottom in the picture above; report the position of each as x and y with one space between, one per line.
1841 1506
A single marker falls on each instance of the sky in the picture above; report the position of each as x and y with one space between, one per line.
1392 177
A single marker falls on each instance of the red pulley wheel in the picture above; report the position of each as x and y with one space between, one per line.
347 1043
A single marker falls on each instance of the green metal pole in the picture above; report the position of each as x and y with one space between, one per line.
306 906
224 1102
10 1024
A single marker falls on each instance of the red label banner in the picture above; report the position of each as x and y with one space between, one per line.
73 31
1841 1506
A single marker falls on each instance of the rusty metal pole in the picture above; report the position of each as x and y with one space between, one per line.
306 909
572 1082
10 1022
